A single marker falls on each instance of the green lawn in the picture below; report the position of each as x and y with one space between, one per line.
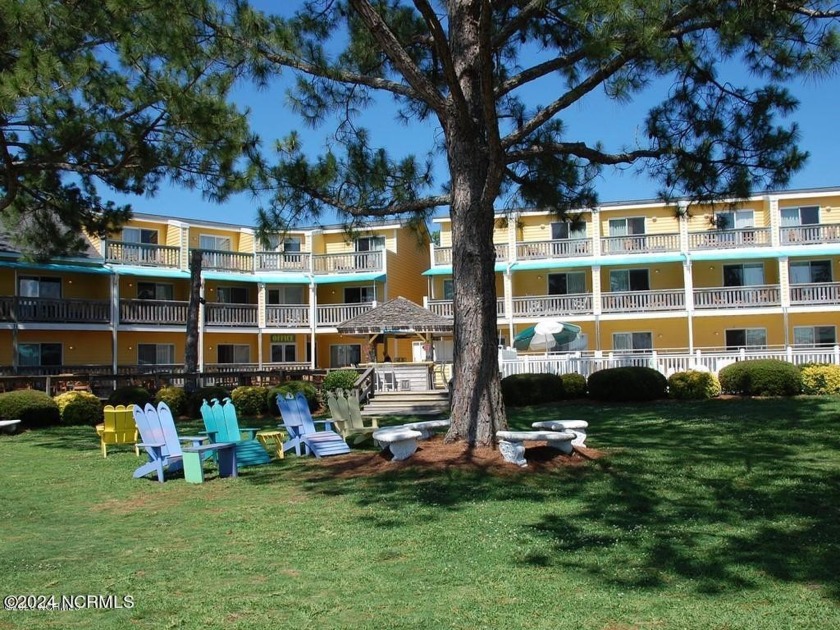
721 514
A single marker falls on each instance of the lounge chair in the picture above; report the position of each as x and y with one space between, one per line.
222 425
300 427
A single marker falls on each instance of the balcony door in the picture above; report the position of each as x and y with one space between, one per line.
631 227
39 287
629 280
810 272
746 275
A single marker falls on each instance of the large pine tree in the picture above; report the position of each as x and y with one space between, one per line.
471 65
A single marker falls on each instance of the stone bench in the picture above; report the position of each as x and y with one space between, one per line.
427 427
9 425
578 427
400 441
512 447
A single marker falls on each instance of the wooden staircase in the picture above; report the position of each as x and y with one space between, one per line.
408 403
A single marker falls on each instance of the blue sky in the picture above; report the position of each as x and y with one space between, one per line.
596 118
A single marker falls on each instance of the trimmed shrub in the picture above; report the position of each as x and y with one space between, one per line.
250 400
130 395
174 397
632 383
762 377
32 407
820 379
201 394
693 385
339 379
531 389
574 385
79 408
293 387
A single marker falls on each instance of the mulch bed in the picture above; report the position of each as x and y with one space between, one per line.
434 455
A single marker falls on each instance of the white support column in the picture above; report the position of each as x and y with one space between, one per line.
682 224
508 299
313 323
688 288
596 232
596 289
115 319
772 204
784 282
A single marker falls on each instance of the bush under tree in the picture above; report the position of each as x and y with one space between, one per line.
339 379
32 407
250 400
631 383
79 408
531 389
693 385
574 385
174 397
820 379
761 377
129 396
196 398
293 387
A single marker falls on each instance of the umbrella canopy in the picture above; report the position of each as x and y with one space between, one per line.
545 335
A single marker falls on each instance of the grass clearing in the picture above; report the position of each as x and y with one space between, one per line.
716 514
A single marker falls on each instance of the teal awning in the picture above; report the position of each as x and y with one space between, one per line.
350 277
54 267
150 272
446 270
283 278
735 255
813 250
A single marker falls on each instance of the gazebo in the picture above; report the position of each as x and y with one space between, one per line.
404 319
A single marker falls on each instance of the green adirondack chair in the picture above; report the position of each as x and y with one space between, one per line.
222 425
356 423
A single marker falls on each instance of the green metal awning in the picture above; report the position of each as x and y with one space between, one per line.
149 272
54 267
446 270
350 277
735 254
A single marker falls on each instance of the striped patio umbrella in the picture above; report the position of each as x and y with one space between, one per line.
546 335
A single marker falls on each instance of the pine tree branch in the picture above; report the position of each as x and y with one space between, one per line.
582 150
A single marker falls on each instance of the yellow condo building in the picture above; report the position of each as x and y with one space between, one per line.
123 304
647 276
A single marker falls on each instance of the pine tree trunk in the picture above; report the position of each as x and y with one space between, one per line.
475 165
191 343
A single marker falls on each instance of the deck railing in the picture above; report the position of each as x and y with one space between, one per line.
817 293
162 312
565 248
289 315
122 252
216 314
640 243
737 297
282 261
729 239
222 260
643 301
334 314
810 234
348 262
552 305
65 311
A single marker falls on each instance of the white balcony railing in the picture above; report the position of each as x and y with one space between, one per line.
445 308
142 254
348 262
161 312
729 239
737 297
335 314
443 255
817 293
290 315
643 301
57 310
566 248
216 314
810 234
282 261
552 305
640 243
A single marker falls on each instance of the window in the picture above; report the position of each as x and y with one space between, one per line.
746 338
629 342
627 227
39 354
370 243
283 353
155 354
33 286
561 230
565 283
138 235
807 215
448 290
734 220
810 271
286 295
359 295
230 353
232 295
748 275
342 355
154 291
220 243
814 336
629 280
291 244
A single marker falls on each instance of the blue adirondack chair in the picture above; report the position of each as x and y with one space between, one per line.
160 440
298 423
249 452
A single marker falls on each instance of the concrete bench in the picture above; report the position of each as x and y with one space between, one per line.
193 457
512 443
400 441
9 426
578 427
428 427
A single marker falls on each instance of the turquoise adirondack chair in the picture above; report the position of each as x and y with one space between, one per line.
222 425
299 425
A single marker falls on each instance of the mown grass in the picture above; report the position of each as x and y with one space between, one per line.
718 514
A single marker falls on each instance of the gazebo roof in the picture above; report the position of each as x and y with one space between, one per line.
398 316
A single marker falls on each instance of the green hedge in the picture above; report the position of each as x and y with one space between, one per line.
32 407
174 397
693 385
627 384
339 379
250 400
761 377
79 408
293 387
574 385
201 394
129 396
820 379
531 389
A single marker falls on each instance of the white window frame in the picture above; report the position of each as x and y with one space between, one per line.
288 294
802 331
448 289
579 280
628 222
164 353
367 289
345 354
238 349
744 267
160 290
802 264
141 236
787 216
370 244
750 338
628 341
735 219
213 242
615 273
40 353
284 348
35 286
223 292
574 230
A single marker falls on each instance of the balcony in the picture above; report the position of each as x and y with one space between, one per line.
817 293
737 297
643 301
159 312
222 260
566 248
445 308
349 262
335 314
640 243
120 252
282 261
729 239
810 234
552 305
287 315
54 311
217 314
443 255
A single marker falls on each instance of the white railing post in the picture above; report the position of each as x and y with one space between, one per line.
836 355
789 354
